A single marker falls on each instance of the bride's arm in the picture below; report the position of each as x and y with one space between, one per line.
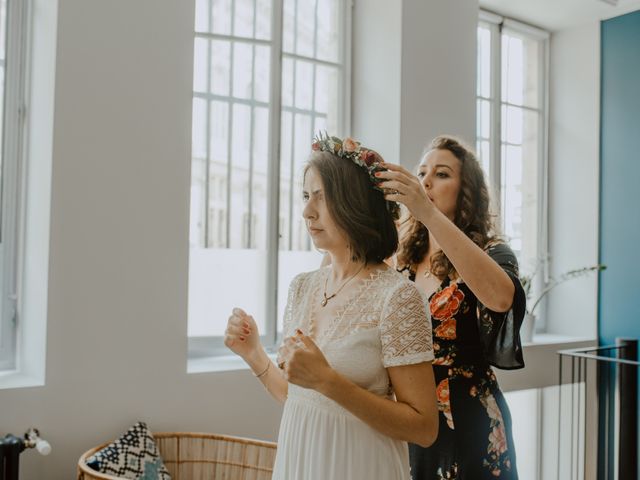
412 418
242 338
269 374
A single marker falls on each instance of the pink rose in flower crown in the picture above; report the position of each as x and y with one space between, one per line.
350 145
315 146
368 157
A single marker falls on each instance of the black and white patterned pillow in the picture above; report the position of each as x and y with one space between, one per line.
134 456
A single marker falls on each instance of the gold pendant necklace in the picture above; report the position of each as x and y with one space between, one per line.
326 297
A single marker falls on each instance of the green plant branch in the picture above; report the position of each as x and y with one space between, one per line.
571 274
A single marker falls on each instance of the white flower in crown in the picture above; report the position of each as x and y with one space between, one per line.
349 145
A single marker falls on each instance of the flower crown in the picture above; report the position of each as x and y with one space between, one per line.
352 150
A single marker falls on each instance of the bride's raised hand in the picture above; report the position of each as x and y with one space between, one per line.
404 187
306 366
242 336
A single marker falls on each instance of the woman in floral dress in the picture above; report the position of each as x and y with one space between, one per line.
449 249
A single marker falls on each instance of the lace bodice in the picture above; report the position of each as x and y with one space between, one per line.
383 324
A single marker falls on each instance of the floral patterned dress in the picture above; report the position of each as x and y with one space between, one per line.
474 441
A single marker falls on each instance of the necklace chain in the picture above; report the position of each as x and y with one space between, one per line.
326 297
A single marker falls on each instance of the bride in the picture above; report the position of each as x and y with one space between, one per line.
354 370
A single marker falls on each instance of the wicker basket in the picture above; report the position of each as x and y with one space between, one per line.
202 456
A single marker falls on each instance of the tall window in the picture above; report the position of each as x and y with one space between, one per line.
12 136
512 129
268 74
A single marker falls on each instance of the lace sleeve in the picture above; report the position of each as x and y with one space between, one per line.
405 329
500 331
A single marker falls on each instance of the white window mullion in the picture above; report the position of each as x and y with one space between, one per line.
495 169
273 174
346 42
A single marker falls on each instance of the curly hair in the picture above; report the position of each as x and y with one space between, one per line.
472 215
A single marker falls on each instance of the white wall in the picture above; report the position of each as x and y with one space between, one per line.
439 57
573 176
116 344
376 60
414 74
117 324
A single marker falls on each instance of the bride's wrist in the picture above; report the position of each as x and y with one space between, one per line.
328 383
257 360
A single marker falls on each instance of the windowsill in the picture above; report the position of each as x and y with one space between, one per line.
555 339
542 342
15 379
221 363
541 362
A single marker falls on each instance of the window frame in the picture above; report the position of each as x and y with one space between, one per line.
14 148
213 346
497 24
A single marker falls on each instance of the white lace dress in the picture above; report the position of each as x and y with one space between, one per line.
385 324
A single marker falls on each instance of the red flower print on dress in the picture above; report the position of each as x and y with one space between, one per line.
446 303
446 330
444 405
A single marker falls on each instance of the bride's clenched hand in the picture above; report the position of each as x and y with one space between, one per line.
242 336
304 364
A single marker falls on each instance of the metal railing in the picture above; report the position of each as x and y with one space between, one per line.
598 417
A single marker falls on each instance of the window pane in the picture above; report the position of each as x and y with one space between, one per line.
512 125
328 31
484 62
263 19
287 82
259 200
200 56
199 129
521 70
220 67
242 70
327 89
520 193
303 84
289 26
262 81
243 18
305 28
219 133
484 119
220 17
202 15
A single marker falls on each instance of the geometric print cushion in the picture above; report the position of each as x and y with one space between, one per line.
134 456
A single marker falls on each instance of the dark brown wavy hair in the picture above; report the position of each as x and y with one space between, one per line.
472 214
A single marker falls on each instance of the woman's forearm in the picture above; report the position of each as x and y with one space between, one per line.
486 279
271 377
397 420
